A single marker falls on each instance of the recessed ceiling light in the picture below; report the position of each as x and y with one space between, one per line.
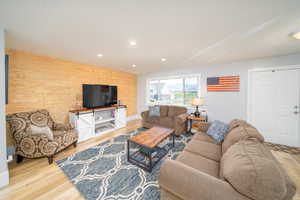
132 43
296 35
163 59
100 55
133 65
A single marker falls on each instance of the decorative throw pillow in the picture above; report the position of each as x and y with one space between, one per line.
217 130
154 111
41 130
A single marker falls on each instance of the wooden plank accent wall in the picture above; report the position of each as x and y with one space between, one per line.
37 82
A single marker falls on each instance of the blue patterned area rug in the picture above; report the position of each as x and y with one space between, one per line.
103 172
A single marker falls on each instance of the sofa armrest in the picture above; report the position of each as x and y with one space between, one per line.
188 183
145 114
182 118
62 127
203 126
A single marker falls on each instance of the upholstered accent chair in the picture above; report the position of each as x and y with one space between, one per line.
35 145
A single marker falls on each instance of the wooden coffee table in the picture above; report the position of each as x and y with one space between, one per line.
148 153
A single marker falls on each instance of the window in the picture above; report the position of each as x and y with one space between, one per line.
173 91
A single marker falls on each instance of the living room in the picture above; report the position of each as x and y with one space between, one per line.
150 100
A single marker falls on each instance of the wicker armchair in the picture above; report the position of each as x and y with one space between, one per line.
30 145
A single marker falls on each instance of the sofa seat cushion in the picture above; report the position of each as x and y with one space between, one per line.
154 120
238 133
249 168
167 122
205 149
200 163
204 137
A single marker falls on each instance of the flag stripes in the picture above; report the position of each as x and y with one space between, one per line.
223 84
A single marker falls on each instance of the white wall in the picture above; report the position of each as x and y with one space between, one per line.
3 164
220 105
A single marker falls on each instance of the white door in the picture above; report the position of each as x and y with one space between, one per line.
274 98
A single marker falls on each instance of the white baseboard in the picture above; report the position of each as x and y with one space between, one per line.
4 178
133 117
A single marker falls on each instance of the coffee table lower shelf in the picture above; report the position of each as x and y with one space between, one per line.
148 161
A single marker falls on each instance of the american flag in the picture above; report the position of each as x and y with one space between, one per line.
223 84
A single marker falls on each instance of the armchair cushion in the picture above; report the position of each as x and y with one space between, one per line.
41 130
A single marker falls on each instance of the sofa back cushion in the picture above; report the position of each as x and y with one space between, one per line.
238 133
237 122
176 110
249 167
164 111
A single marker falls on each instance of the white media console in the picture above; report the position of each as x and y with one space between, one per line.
95 122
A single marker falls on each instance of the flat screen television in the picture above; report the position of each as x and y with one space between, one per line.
96 96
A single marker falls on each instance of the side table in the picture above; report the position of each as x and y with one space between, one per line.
191 119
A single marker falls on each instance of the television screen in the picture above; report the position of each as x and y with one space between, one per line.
95 96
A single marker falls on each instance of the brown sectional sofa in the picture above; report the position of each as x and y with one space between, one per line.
170 117
240 168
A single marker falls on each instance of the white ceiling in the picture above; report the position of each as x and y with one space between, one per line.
186 32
